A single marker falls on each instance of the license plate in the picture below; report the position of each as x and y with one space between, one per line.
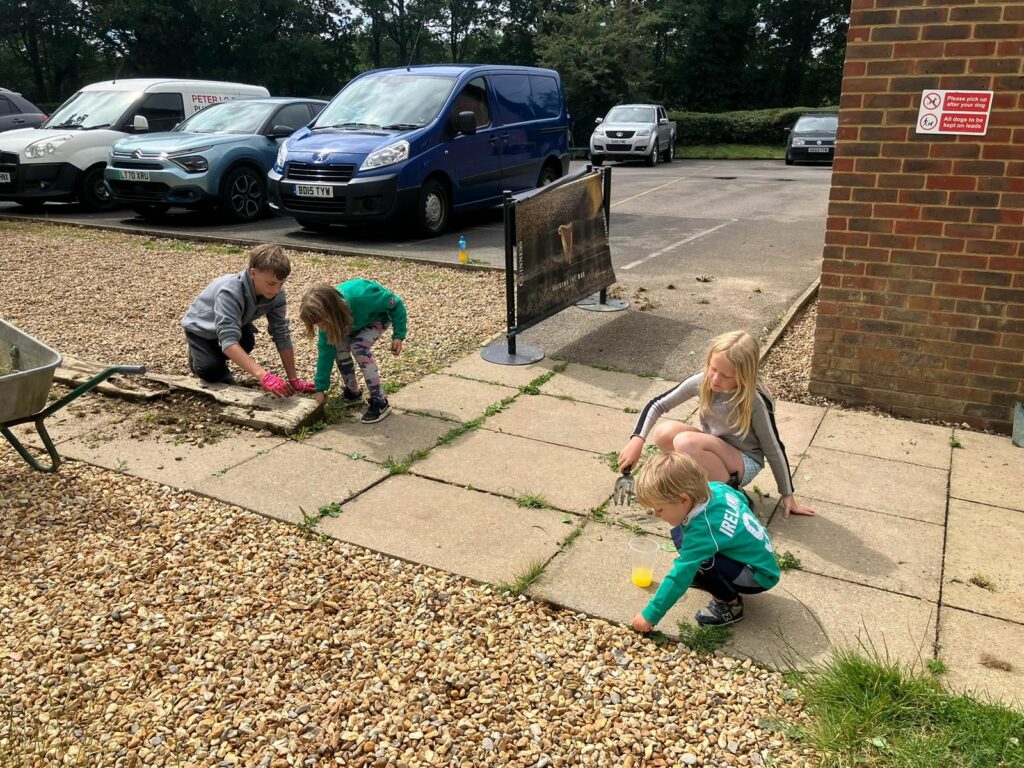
618 144
133 175
310 190
5 178
819 149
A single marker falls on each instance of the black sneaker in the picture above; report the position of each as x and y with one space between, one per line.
718 614
377 411
352 397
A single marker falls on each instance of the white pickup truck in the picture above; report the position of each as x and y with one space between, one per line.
634 131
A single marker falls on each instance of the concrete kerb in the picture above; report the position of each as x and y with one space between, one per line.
248 243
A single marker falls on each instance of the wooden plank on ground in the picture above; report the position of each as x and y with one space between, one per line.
244 405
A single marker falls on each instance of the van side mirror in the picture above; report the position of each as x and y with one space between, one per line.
466 123
598 120
280 132
787 130
140 124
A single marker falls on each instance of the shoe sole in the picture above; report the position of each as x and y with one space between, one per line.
380 417
737 620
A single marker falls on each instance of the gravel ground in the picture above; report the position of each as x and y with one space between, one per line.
141 625
786 370
121 297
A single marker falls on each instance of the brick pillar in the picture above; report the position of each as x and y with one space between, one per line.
921 308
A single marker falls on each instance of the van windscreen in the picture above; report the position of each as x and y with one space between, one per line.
387 101
91 109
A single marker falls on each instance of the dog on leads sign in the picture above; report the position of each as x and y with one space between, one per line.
963 112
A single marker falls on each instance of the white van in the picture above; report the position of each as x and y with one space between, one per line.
63 159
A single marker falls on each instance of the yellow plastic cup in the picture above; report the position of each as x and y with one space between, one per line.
642 552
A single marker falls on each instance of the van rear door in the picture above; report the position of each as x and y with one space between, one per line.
476 158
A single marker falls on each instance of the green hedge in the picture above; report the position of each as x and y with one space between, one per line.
763 126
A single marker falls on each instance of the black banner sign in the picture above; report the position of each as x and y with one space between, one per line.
561 246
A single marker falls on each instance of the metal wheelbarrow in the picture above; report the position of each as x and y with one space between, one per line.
26 374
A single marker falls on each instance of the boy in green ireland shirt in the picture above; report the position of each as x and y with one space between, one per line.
350 318
723 548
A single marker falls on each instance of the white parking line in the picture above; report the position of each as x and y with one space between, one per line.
684 241
662 186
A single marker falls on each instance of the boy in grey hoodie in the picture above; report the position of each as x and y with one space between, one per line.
219 324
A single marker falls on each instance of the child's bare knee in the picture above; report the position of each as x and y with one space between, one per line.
687 442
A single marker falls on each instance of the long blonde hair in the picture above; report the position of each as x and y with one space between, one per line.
323 305
743 351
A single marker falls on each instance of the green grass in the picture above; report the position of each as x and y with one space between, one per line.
730 152
865 711
703 639
523 580
936 666
570 537
954 443
612 460
331 510
532 501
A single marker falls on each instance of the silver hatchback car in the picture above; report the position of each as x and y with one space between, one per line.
218 157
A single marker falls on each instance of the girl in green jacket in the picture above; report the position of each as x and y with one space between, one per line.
348 320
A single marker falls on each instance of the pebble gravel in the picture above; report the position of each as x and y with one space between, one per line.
121 298
146 626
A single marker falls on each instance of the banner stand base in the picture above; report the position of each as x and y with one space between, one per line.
593 304
498 353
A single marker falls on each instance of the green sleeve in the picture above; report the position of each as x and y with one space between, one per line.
398 317
696 549
325 353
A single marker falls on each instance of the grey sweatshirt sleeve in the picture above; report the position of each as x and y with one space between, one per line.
278 324
762 425
664 403
227 316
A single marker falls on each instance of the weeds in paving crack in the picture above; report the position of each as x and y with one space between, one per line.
331 510
703 639
456 432
954 443
532 501
788 561
309 524
600 513
936 666
980 580
570 537
122 465
611 459
523 580
495 408
304 433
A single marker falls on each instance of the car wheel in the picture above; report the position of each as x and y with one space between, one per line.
243 195
789 159
151 212
670 153
94 192
314 226
548 174
434 208
596 160
652 159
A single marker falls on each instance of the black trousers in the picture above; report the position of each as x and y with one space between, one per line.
725 578
208 361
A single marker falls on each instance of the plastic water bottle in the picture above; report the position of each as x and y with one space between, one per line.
463 256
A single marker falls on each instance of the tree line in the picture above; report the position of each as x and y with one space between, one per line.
696 55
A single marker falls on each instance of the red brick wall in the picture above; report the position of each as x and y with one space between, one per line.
921 307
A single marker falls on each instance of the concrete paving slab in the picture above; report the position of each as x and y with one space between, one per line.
798 424
474 534
614 389
565 422
450 397
181 466
885 438
69 422
984 656
396 437
473 366
568 478
291 477
988 468
794 623
865 547
866 482
983 546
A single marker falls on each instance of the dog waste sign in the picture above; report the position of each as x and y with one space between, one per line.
964 112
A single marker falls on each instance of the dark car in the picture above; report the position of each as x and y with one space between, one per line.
18 112
812 139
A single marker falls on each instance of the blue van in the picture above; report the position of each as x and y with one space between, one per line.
418 143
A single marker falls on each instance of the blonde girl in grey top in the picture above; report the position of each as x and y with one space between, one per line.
737 418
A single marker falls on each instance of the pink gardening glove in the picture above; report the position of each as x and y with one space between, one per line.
275 385
301 385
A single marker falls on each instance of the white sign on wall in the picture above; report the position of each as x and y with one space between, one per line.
963 112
